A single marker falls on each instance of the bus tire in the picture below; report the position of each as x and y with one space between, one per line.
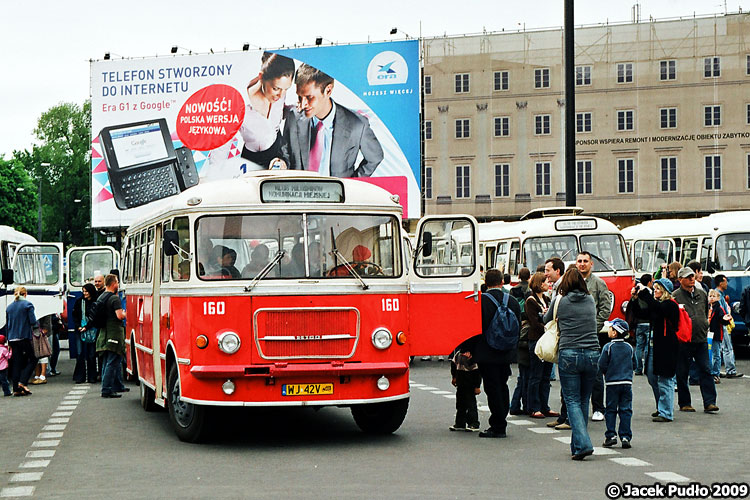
188 420
380 418
147 397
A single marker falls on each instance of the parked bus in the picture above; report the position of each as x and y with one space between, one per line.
559 232
721 242
290 289
37 266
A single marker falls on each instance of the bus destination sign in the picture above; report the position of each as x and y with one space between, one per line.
288 191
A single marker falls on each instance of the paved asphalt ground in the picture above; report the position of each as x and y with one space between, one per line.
66 442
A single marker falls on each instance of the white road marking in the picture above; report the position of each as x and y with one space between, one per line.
63 420
73 393
605 451
520 422
40 454
630 462
564 439
428 388
34 464
440 393
543 430
17 491
483 408
49 435
414 384
48 443
55 427
62 414
450 396
24 477
668 477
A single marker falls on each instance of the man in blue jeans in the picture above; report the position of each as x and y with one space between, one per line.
695 302
111 340
725 351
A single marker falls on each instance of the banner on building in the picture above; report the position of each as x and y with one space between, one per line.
163 125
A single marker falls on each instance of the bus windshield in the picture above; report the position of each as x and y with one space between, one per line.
733 251
313 245
610 248
37 265
537 250
649 255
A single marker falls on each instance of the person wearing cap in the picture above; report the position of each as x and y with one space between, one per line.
661 345
695 302
617 363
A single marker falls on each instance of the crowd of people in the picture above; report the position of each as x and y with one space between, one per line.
100 349
676 331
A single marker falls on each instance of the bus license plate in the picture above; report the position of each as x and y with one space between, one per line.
306 389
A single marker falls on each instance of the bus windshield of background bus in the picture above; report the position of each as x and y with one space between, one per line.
240 246
38 265
608 247
733 251
649 255
538 250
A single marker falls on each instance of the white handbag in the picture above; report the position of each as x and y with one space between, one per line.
548 344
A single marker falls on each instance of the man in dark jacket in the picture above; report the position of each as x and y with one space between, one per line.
695 302
494 364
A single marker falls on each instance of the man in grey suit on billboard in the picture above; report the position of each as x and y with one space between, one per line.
322 136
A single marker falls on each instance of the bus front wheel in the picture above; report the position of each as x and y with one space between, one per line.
380 418
188 420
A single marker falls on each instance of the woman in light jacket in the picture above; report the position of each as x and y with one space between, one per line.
578 355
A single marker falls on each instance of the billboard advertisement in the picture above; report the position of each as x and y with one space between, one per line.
163 125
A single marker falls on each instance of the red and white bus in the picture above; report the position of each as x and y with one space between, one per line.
291 289
559 232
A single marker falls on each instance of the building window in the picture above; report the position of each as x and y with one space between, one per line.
747 118
502 126
462 83
542 124
712 116
748 171
625 73
541 78
583 122
427 182
583 177
668 70
583 75
427 85
427 130
625 120
543 179
625 174
668 117
462 181
669 173
712 67
747 64
502 179
713 172
502 80
462 128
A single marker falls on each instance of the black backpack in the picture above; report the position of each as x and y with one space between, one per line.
96 314
503 331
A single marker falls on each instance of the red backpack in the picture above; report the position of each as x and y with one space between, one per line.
684 330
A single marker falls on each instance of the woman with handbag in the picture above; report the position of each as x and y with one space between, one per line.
20 319
539 371
578 355
85 369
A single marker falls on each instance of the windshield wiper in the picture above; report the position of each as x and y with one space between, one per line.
349 268
604 262
267 269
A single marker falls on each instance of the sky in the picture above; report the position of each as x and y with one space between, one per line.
46 46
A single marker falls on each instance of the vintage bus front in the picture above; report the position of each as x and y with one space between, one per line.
274 290
732 259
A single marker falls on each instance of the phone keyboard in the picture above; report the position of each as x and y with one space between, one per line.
144 187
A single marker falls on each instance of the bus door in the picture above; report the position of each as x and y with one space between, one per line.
649 255
444 306
38 267
707 264
81 265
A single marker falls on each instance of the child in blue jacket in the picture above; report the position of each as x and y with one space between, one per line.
617 363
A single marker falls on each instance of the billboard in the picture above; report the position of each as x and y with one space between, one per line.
165 124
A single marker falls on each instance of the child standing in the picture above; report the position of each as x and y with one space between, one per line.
617 363
4 358
467 381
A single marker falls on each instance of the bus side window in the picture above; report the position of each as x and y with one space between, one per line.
515 248
180 265
166 262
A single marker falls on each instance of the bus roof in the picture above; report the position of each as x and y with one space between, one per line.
546 226
244 191
722 222
7 233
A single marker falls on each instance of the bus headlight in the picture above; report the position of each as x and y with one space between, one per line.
229 342
624 305
382 338
383 383
228 387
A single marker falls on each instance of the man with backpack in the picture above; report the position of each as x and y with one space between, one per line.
496 349
107 316
695 302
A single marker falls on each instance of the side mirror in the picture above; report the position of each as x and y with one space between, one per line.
426 244
170 243
7 277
